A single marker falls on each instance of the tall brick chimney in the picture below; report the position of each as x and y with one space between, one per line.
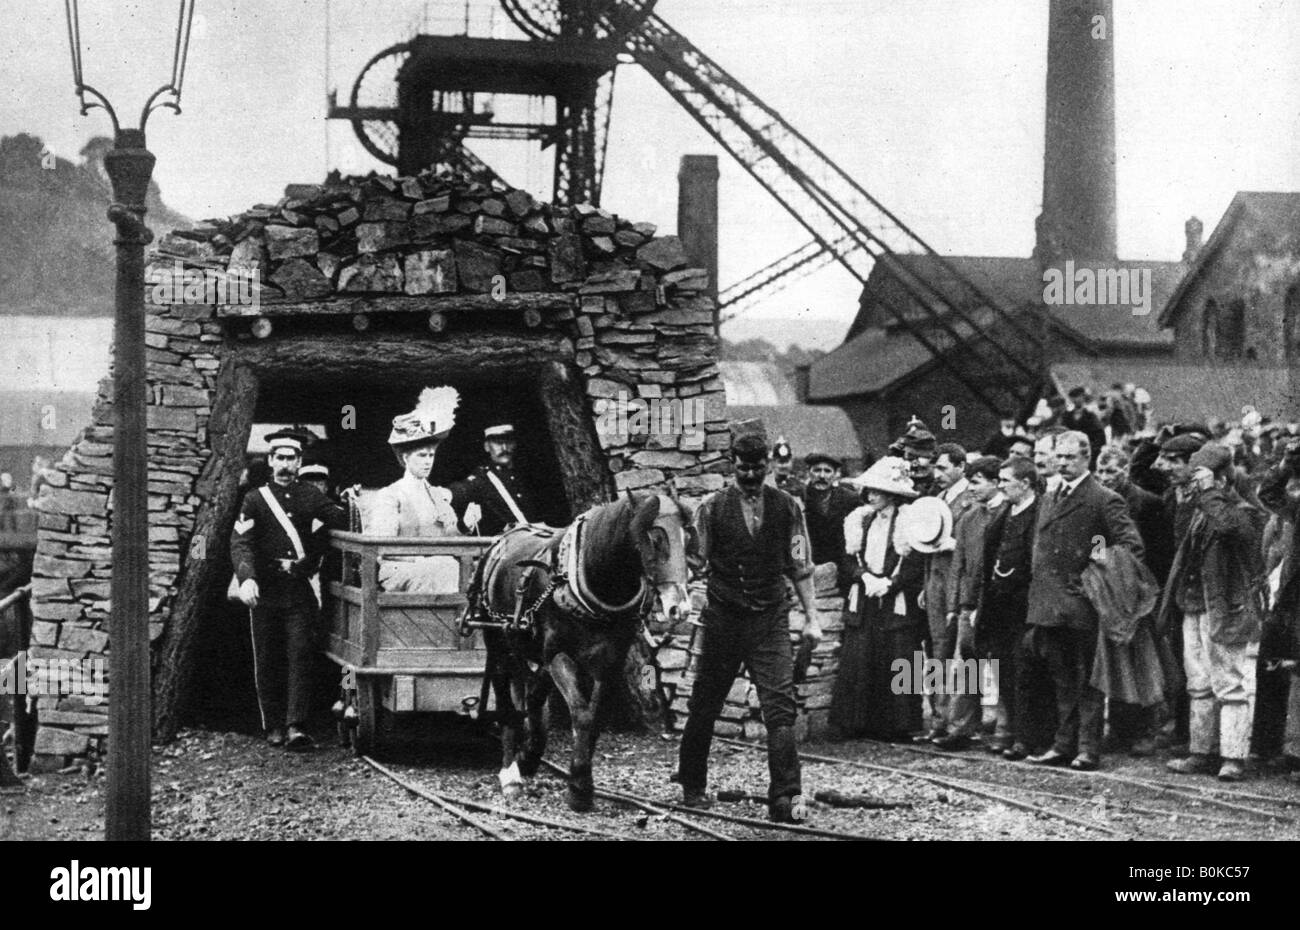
1078 218
697 215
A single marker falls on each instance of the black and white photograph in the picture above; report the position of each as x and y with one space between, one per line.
662 420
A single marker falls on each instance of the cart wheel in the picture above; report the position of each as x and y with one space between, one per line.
365 737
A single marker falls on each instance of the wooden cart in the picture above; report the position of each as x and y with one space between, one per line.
400 652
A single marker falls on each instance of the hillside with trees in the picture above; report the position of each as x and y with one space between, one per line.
56 244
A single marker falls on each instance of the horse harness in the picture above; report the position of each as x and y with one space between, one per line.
566 583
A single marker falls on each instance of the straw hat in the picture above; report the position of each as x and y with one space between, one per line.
890 474
926 525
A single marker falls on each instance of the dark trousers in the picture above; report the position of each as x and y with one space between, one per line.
1272 689
760 640
283 628
1068 655
1179 703
1003 647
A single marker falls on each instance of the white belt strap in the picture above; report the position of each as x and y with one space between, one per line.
505 496
278 512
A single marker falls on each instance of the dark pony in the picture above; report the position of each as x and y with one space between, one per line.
566 606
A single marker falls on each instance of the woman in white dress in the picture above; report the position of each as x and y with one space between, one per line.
410 506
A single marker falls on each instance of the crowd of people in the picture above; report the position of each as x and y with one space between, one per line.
1134 586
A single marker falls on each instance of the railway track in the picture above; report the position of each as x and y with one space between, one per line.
1116 805
459 808
751 822
493 820
964 785
1212 795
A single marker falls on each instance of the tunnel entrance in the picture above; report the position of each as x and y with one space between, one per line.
353 388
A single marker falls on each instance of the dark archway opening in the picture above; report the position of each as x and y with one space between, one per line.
531 385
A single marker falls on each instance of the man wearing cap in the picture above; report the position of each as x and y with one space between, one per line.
494 496
1077 523
316 473
275 552
965 581
825 505
752 540
1173 466
954 715
1217 583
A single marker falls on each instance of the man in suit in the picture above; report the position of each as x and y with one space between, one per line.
275 556
494 495
1079 522
954 715
965 579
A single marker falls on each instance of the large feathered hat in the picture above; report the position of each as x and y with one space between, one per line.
430 421
890 474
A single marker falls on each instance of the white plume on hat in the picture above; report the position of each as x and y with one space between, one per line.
438 406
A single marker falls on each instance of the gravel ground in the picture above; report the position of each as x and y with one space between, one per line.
210 785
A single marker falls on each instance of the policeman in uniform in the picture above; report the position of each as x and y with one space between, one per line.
494 496
275 557
752 539
782 475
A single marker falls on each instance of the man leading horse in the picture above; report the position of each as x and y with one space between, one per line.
752 538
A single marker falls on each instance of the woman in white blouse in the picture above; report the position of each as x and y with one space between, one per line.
881 622
410 506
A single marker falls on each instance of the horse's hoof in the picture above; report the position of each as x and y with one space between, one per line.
581 802
512 782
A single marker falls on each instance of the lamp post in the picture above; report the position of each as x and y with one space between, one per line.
129 166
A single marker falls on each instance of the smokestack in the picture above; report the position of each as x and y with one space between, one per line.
697 215
1194 230
1078 218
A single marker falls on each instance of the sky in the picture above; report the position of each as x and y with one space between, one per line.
935 106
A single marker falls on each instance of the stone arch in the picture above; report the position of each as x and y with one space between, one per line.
435 274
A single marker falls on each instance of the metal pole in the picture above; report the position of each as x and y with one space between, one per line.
126 810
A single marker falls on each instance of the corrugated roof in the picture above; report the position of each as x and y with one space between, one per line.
756 384
1185 392
807 429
